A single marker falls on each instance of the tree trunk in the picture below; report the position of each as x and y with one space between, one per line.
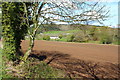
26 55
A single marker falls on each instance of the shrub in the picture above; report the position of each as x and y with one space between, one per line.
106 38
60 36
106 41
39 70
39 37
33 69
94 33
70 38
46 37
80 37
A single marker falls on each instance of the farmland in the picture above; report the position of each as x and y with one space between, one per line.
94 52
74 57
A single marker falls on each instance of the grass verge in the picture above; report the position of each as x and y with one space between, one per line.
34 68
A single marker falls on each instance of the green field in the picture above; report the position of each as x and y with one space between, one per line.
97 35
60 32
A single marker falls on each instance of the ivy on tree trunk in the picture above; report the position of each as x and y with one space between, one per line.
14 28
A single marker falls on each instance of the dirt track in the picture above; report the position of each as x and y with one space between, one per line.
84 51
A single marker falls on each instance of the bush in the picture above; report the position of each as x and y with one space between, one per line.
70 38
33 68
60 36
39 37
94 34
106 38
40 70
46 37
80 37
106 41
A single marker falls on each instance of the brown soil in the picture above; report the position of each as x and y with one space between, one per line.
84 51
78 59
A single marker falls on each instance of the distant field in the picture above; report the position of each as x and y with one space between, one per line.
60 32
97 35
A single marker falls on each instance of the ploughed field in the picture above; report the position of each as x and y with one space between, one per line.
83 51
78 59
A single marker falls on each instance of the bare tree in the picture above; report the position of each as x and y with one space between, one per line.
69 11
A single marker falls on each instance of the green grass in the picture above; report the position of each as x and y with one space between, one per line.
96 42
116 42
52 32
71 31
60 32
63 39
